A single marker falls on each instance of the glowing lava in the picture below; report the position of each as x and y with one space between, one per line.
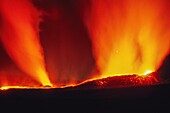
147 72
23 87
129 36
20 37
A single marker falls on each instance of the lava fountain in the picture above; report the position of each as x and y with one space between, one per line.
20 37
129 36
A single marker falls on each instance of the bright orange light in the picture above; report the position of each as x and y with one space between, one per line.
43 77
20 38
12 87
22 87
129 36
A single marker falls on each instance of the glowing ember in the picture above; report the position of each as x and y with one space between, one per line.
118 82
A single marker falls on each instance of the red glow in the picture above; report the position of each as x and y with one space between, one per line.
129 38
20 37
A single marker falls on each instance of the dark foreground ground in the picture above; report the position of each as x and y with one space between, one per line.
153 97
140 99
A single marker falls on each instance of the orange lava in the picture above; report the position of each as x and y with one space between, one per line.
22 87
129 37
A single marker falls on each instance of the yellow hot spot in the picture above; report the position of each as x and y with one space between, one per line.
147 72
43 77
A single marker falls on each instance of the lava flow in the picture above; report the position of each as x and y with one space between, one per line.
129 38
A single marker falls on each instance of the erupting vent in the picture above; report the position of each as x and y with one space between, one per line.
119 43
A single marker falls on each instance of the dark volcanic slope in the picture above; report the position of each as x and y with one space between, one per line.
164 71
161 76
119 82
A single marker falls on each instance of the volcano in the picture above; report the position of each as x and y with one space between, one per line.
98 54
129 92
60 44
162 76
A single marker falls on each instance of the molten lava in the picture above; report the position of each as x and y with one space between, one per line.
129 36
20 37
130 39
